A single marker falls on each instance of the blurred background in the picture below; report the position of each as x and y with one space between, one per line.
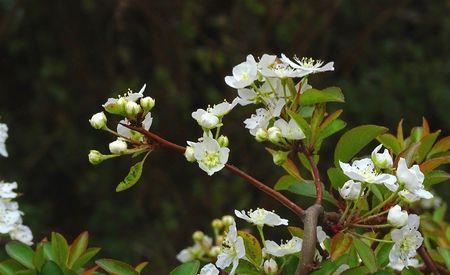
60 60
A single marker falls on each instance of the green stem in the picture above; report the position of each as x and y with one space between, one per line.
261 233
371 225
369 238
347 208
363 187
373 216
381 205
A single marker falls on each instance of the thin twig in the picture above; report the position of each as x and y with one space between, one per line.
427 260
315 171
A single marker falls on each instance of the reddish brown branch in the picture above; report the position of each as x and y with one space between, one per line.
427 260
315 171
258 184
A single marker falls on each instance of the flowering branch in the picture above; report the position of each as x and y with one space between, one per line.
258 184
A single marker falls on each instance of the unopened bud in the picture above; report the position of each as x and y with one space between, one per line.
381 160
95 157
261 135
214 251
223 141
397 217
116 107
147 103
98 120
197 236
280 157
118 146
270 267
275 135
227 220
132 109
189 154
217 224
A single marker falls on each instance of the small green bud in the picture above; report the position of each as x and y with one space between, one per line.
275 135
116 107
147 103
132 109
217 224
280 157
223 141
227 220
98 120
198 236
95 157
261 135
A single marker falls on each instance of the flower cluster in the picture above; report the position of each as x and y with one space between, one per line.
10 215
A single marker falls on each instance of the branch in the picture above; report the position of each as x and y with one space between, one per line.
258 184
427 259
315 171
309 239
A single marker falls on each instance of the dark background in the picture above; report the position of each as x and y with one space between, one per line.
60 60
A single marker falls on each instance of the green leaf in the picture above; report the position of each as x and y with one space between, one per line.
439 213
133 176
60 249
253 250
291 265
246 268
117 267
391 142
301 123
435 177
425 146
411 271
340 244
332 117
141 267
48 251
313 96
189 268
78 247
353 258
295 231
85 257
27 272
356 271
39 257
366 254
443 145
328 267
337 177
306 188
21 253
354 140
10 267
382 251
331 129
445 253
376 191
51 268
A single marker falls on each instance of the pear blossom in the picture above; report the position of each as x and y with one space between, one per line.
270 267
364 170
412 179
292 246
189 153
244 74
209 269
132 109
10 216
381 160
259 120
233 250
397 217
289 130
281 70
23 234
350 190
147 103
147 122
407 240
117 105
98 120
210 118
209 155
321 236
261 217
274 134
118 146
3 137
266 61
6 190
190 253
306 66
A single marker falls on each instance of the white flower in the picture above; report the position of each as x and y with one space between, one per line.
270 267
350 190
190 253
189 153
397 217
307 66
260 120
10 216
261 217
244 74
132 109
3 137
266 61
147 103
413 179
117 105
321 236
434 202
407 241
118 146
98 120
289 130
294 245
23 234
223 108
6 190
341 269
280 70
364 170
383 160
147 122
209 269
209 155
233 250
